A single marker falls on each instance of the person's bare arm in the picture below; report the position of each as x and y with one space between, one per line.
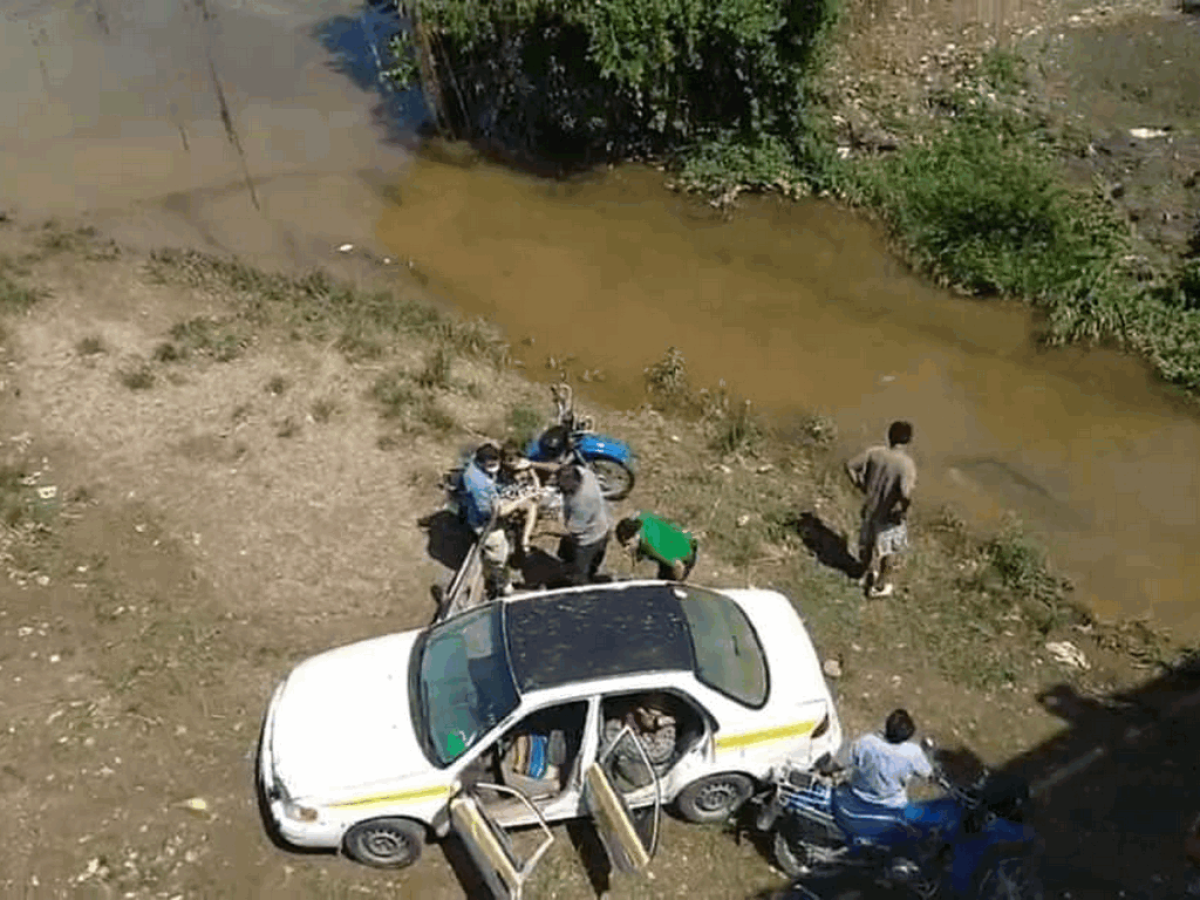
856 468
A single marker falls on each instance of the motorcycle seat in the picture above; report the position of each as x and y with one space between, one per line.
868 824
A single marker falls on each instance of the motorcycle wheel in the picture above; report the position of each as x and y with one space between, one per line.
791 856
1010 878
616 479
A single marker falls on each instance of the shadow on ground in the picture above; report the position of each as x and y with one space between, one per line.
829 547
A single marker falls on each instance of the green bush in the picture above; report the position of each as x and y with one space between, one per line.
983 207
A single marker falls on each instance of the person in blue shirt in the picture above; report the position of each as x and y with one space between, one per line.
883 765
484 509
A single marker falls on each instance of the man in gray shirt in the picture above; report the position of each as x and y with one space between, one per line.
585 514
886 476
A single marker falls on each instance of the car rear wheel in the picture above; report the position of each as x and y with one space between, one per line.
385 843
715 798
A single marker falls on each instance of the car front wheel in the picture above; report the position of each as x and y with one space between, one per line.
385 843
715 798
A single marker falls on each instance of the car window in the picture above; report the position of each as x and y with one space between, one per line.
465 683
729 657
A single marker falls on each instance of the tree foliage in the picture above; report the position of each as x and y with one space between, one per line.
619 77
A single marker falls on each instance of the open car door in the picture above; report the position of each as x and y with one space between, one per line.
505 870
621 770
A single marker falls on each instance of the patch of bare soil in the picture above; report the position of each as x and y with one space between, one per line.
206 531
1117 82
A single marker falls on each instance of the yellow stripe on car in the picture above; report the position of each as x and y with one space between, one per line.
439 790
779 733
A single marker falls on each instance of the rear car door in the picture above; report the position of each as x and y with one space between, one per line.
506 860
622 769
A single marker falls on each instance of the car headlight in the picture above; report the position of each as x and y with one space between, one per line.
294 810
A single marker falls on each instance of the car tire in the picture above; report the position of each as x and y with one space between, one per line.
715 798
385 843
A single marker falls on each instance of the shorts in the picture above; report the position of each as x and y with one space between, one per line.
887 540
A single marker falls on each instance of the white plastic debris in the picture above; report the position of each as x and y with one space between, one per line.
345 248
1068 654
1145 134
48 492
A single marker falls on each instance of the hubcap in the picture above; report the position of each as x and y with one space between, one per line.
717 796
386 844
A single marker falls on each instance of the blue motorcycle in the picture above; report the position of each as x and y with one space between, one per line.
970 844
572 439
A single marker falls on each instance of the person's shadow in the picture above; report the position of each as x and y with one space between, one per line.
829 547
449 539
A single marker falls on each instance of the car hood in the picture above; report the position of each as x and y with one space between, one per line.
342 720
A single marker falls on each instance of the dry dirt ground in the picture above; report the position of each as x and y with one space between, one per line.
178 534
202 533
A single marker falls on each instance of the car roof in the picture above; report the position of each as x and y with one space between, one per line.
601 632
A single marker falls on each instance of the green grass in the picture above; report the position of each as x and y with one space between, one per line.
739 431
323 409
137 377
362 324
91 345
983 206
524 423
14 496
435 373
221 339
55 239
394 394
16 296
435 418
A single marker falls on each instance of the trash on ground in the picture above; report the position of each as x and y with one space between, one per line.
1068 654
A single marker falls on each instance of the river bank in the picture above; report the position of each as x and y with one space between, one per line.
149 611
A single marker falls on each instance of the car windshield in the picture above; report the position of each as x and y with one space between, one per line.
729 657
464 682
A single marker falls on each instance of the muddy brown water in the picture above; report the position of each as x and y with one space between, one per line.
800 306
116 116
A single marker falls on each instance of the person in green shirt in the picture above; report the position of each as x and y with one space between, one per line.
647 536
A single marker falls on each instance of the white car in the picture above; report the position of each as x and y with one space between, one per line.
519 713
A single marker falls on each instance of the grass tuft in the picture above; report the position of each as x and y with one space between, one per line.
323 409
138 377
524 423
740 431
15 296
394 394
435 374
91 345
219 339
361 323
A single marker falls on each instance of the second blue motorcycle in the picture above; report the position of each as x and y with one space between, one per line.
970 844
